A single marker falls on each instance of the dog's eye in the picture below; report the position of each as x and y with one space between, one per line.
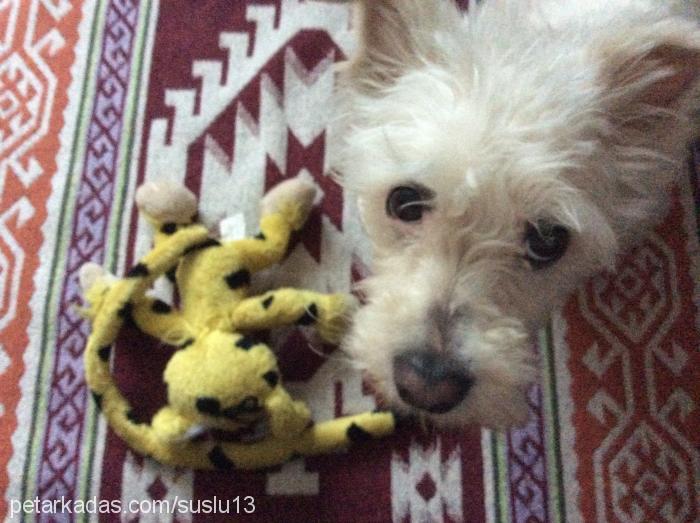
545 243
407 203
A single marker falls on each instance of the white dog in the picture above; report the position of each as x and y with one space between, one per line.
500 159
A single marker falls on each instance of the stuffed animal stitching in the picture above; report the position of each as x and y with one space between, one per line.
221 377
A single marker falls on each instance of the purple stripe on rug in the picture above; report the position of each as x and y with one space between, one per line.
695 179
58 465
527 468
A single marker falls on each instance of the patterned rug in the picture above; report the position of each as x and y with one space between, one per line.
231 97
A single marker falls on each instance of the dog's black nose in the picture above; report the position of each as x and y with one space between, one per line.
431 381
207 405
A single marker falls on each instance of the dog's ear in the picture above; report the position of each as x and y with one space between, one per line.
395 35
653 72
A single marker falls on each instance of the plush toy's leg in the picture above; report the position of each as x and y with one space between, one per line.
284 209
327 312
158 319
293 199
288 418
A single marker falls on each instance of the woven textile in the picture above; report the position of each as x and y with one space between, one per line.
230 97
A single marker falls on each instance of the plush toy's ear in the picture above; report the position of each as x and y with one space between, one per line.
166 201
395 35
94 282
651 72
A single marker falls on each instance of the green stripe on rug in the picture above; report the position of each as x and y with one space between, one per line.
550 405
501 487
63 230
499 446
495 478
112 240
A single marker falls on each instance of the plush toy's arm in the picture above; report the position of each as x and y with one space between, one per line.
284 209
288 418
328 312
160 320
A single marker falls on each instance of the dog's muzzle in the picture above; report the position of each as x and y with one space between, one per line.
431 381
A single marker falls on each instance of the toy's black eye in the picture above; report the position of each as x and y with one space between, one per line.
545 243
407 203
250 404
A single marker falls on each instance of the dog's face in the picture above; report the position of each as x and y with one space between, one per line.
499 160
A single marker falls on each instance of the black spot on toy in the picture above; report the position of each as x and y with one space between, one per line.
238 279
168 228
104 352
206 244
219 459
245 343
186 343
98 399
138 271
357 434
126 313
207 405
160 307
272 378
133 418
310 315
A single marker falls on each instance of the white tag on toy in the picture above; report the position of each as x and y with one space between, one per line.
233 227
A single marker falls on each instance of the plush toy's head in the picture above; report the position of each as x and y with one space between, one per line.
222 380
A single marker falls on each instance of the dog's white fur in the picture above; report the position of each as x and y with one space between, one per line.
577 111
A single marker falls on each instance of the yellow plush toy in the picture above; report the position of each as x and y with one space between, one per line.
221 377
